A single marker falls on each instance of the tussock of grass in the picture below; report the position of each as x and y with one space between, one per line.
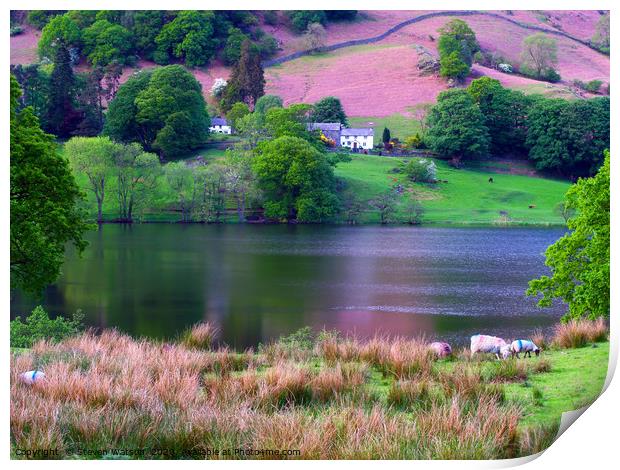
200 336
578 333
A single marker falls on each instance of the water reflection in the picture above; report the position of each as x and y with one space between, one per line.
258 282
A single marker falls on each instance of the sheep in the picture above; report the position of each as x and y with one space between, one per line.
524 346
31 377
441 349
487 344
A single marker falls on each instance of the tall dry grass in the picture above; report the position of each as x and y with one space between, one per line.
578 333
111 391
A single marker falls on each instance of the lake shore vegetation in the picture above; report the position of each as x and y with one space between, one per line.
317 395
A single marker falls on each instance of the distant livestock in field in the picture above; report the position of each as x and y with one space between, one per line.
487 344
524 346
441 349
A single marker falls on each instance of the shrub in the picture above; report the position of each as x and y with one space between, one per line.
38 326
578 333
421 170
200 336
218 87
15 30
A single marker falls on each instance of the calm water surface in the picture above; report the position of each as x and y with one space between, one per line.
259 282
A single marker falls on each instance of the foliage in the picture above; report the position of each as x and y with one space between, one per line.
504 112
314 37
266 102
385 136
44 198
540 56
189 36
247 81
94 157
146 26
136 178
297 181
60 29
414 142
16 30
601 36
40 18
340 15
232 50
105 42
457 44
329 109
385 204
421 170
290 121
62 118
237 111
300 19
34 82
39 326
568 137
456 126
163 110
218 87
579 261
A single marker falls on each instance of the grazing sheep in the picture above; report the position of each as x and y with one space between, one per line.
31 376
524 346
441 348
487 344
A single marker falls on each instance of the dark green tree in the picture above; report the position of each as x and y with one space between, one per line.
457 44
168 100
44 202
247 80
456 127
232 50
146 26
106 42
297 181
189 36
61 29
505 112
329 109
386 136
61 117
580 260
568 137
300 19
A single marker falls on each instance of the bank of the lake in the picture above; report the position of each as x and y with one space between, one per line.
463 197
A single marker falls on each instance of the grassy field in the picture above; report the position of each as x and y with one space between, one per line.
400 126
467 197
322 395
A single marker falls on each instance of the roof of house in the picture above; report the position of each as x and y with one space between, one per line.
358 131
219 122
324 126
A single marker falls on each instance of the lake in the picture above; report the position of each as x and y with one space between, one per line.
257 282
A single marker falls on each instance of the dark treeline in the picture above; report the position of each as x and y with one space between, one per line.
564 137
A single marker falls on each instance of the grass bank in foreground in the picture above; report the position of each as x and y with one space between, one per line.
318 397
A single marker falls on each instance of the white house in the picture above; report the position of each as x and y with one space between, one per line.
354 138
357 138
220 125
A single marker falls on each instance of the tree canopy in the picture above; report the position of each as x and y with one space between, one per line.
189 36
247 80
457 45
329 109
456 126
44 202
540 56
297 181
163 110
579 261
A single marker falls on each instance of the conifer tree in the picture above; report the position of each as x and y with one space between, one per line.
62 117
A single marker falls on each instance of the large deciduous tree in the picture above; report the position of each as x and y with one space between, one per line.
163 110
457 45
539 55
579 261
61 29
329 109
44 199
456 127
568 137
189 36
297 181
93 157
